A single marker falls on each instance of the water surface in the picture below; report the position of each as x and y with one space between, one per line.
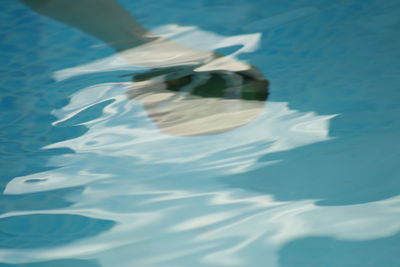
88 178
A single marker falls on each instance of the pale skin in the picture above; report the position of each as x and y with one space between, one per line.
183 114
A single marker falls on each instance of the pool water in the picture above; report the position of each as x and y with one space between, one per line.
89 179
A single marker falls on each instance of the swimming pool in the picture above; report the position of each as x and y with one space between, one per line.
89 177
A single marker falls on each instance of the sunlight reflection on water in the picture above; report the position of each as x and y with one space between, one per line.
290 176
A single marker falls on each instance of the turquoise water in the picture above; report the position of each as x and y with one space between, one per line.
88 178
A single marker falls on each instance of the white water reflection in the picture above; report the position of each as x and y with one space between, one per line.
125 132
162 190
227 235
164 195
191 36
